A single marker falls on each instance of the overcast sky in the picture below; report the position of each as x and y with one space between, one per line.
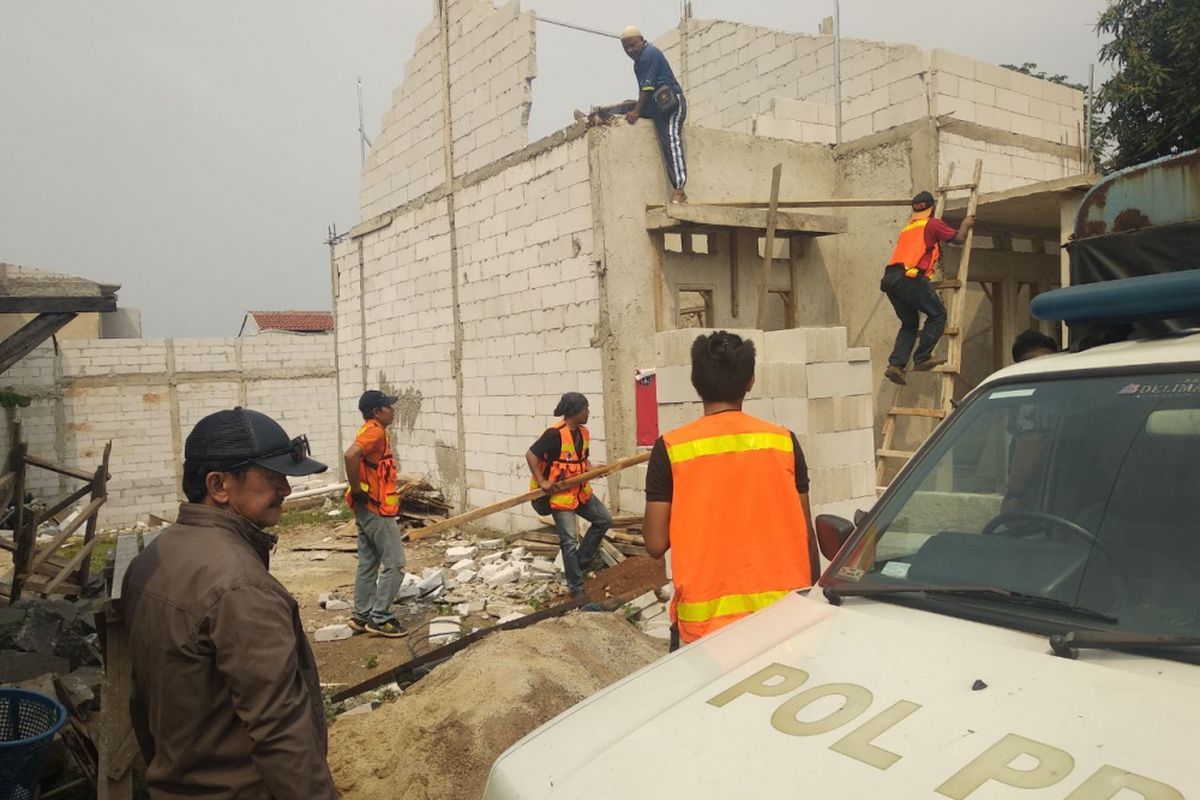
196 152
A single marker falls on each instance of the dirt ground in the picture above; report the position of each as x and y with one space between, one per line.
440 738
349 661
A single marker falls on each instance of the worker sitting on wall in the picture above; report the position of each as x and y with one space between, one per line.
660 99
728 495
559 454
906 281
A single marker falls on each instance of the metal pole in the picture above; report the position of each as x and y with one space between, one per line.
362 133
1087 118
575 27
837 71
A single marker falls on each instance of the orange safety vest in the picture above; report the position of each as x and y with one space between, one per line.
739 535
910 247
378 480
568 465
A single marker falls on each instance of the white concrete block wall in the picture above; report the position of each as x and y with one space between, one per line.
492 62
1005 166
806 380
120 390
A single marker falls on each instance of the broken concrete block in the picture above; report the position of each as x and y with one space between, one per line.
466 576
666 592
558 562
490 544
335 604
517 552
455 554
322 599
459 566
491 558
444 630
319 555
652 612
544 566
506 574
510 617
643 601
333 633
659 629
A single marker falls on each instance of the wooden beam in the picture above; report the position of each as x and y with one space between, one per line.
733 273
769 247
796 247
24 533
848 202
657 278
23 341
61 504
470 516
42 463
84 552
56 305
658 219
85 516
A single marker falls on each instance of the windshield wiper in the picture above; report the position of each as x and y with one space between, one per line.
834 596
1068 645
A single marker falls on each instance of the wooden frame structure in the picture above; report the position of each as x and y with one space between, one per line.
39 570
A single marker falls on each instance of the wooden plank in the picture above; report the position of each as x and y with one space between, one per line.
659 219
733 273
470 516
73 497
25 339
42 463
796 246
116 779
657 278
953 283
769 247
85 516
630 549
126 550
56 305
611 555
24 534
906 454
936 413
72 565
843 202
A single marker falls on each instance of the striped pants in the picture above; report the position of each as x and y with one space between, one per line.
670 136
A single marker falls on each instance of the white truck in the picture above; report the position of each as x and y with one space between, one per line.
1018 616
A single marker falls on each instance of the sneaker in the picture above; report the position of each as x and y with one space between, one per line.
391 629
357 624
927 364
895 375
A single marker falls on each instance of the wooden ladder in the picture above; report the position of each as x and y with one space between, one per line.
954 297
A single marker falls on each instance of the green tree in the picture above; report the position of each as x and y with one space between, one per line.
1151 104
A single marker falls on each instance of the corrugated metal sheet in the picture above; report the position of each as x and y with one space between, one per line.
1160 192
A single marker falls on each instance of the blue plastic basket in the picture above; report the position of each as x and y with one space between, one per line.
28 722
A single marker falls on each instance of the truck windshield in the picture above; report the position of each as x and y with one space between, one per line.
1084 491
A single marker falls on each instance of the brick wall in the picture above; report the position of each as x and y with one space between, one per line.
132 392
492 63
528 306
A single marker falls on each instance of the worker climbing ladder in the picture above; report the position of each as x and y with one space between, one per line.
952 292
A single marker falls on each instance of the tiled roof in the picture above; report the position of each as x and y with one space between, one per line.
298 321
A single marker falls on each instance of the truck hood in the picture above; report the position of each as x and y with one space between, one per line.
807 699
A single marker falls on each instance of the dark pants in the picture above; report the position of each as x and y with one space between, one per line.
909 297
575 555
670 137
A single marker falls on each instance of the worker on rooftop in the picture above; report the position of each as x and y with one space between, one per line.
907 283
372 494
559 454
660 98
728 495
227 701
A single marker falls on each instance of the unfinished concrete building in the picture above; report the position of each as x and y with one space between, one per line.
488 273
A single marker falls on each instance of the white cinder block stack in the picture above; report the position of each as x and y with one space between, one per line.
806 380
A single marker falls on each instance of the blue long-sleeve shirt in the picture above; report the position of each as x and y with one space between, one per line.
652 71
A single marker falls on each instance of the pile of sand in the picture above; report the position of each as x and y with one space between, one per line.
440 738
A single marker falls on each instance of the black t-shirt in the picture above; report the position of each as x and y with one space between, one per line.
548 447
660 484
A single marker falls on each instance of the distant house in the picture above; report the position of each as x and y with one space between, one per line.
314 322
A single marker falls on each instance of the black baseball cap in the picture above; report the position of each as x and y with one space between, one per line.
372 399
237 437
922 201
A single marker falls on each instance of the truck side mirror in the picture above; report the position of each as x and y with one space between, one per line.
832 533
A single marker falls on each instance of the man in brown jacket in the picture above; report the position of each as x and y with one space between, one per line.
227 703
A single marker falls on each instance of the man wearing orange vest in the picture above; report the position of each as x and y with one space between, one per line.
906 281
728 495
371 472
561 453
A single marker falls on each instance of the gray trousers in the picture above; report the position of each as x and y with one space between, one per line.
380 566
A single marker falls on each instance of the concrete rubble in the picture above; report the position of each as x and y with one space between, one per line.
41 640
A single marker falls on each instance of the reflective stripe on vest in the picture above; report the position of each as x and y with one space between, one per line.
911 247
568 465
378 480
734 502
